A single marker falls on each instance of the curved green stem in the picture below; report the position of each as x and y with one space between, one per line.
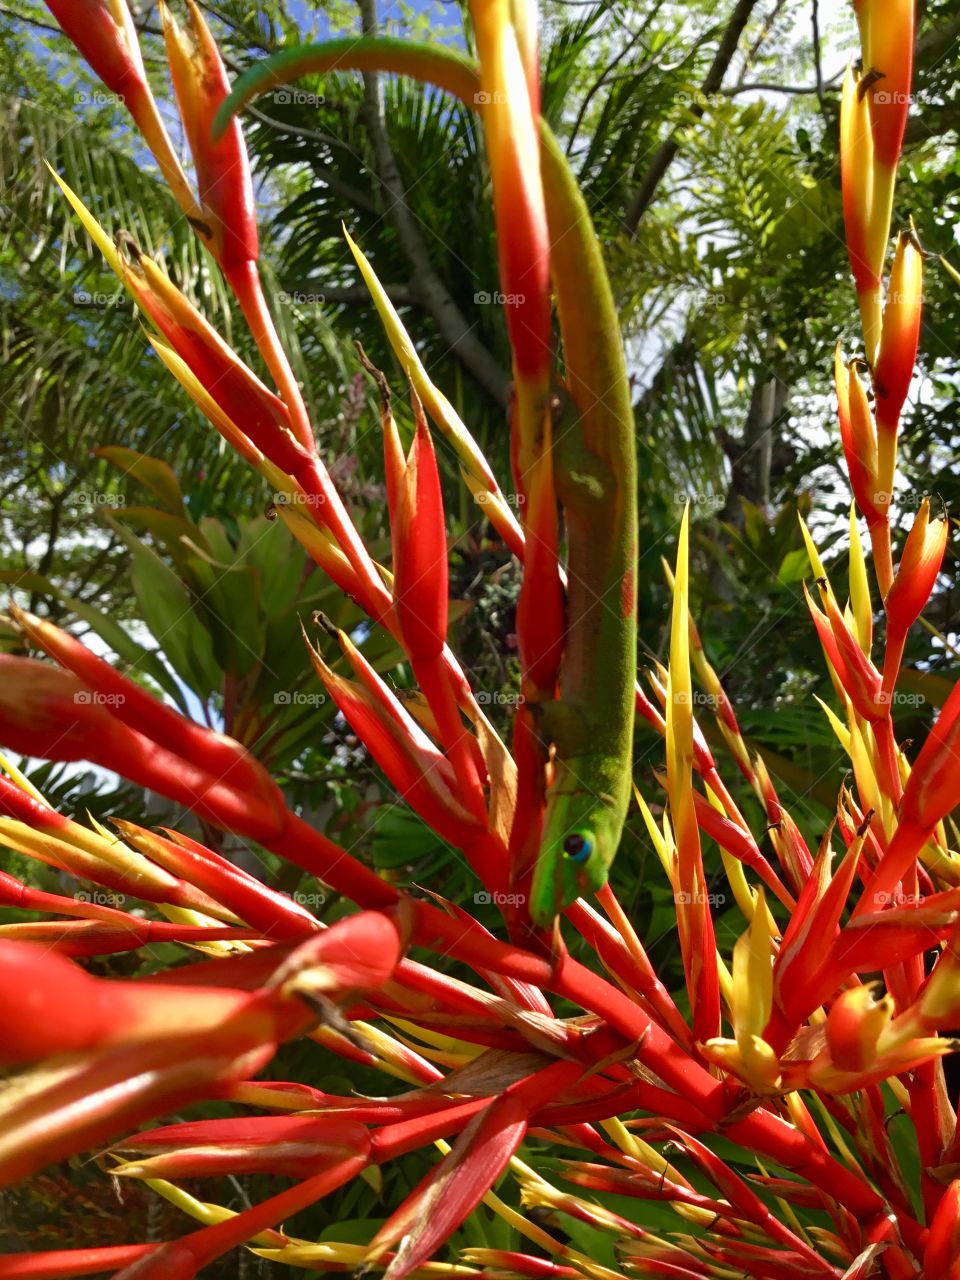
445 68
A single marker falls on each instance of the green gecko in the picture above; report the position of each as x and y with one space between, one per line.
590 726
591 723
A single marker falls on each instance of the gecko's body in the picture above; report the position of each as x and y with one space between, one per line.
591 724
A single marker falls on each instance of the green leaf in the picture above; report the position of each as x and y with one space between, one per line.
170 612
153 473
170 530
794 567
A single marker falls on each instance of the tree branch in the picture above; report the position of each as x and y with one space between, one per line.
430 290
670 146
815 25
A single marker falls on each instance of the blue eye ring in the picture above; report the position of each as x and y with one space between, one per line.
578 846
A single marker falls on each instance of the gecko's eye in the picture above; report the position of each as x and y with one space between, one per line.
578 846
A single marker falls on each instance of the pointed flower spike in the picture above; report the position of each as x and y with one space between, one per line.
723 708
208 405
942 1253
73 1011
857 174
458 1184
413 771
915 579
452 1190
746 1202
510 123
853 1027
40 832
860 677
104 34
751 1004
241 396
852 682
738 845
395 708
813 927
257 1130
394 463
228 221
790 846
693 910
239 392
287 1151
420 549
932 791
216 753
53 1264
753 976
886 35
437 405
859 436
420 592
277 914
898 347
49 713
317 542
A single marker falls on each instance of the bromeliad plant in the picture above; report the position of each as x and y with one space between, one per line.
756 1104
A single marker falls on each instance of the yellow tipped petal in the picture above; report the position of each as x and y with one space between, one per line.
753 976
90 225
860 589
435 402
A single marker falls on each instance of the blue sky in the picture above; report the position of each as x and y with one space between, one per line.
442 15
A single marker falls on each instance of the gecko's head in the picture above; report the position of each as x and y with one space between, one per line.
580 837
